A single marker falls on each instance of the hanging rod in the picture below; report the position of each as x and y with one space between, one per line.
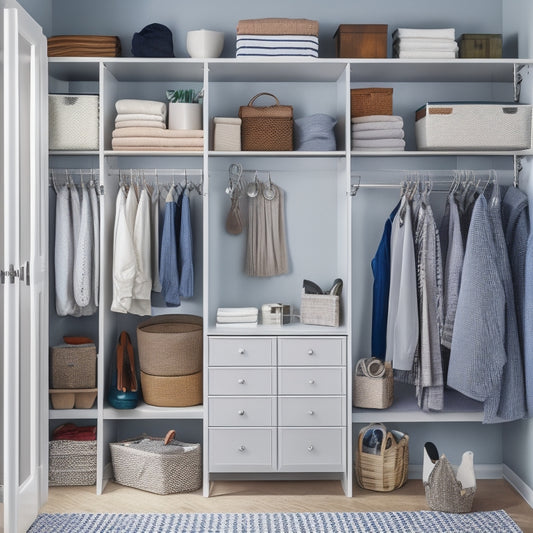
185 172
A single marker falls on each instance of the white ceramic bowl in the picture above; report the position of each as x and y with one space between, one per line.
205 43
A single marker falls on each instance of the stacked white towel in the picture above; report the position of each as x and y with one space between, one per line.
140 113
412 43
237 316
378 132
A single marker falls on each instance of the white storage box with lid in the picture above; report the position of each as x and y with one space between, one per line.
473 126
73 121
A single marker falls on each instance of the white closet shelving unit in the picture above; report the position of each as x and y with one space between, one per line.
325 224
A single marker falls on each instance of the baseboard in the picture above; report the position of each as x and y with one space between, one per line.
483 471
519 484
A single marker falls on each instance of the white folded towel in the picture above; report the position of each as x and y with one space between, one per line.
378 143
141 124
236 319
149 107
378 134
424 33
379 125
237 311
428 45
377 118
137 116
269 40
272 52
421 54
227 120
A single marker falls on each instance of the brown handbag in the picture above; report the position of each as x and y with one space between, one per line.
266 128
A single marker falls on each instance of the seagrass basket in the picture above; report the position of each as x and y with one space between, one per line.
172 391
371 101
371 392
71 462
159 465
320 309
73 366
387 470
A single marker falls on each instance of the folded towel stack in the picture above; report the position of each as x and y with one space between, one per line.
237 316
271 37
412 43
140 125
315 133
378 132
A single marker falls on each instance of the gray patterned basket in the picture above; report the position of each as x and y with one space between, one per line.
162 466
71 462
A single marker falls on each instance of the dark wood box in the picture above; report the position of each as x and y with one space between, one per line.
361 40
480 45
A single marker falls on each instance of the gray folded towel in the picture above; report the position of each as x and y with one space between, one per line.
378 134
315 133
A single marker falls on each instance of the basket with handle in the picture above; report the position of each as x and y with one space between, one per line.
266 128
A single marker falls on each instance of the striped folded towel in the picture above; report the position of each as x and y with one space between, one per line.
277 45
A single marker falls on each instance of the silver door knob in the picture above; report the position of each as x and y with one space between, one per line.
310 352
242 448
310 448
311 382
240 412
240 381
310 412
241 350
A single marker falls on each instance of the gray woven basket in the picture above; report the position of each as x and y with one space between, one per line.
146 463
71 462
320 309
73 366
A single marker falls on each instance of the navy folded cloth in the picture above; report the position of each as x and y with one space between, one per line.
154 40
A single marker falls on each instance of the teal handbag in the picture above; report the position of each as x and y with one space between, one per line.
123 390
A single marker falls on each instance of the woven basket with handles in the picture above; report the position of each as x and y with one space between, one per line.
371 101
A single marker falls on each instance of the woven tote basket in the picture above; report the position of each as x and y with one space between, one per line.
172 391
170 345
320 309
384 472
373 392
268 128
73 366
147 463
71 462
371 101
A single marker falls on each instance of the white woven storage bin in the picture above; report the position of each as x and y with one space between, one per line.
73 121
464 126
320 309
71 462
227 136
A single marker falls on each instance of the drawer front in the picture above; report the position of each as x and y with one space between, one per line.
311 351
242 381
312 411
242 411
312 450
311 380
242 450
241 351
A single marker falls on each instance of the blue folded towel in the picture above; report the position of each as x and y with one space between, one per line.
315 133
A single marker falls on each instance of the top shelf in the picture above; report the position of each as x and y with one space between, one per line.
286 70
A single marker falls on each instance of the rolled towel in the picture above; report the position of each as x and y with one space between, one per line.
377 118
378 125
149 107
379 134
315 133
155 132
424 33
141 124
378 143
121 117
421 54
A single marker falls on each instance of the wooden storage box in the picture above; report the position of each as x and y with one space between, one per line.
320 309
73 121
371 101
480 45
71 462
467 126
361 40
73 366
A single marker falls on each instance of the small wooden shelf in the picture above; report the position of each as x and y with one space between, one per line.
72 414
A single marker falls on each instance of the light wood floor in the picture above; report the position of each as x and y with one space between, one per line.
278 496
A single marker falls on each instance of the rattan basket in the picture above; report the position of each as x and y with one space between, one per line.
371 101
170 345
172 391
147 463
71 462
73 366
384 472
373 392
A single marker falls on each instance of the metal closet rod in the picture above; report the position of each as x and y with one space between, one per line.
182 172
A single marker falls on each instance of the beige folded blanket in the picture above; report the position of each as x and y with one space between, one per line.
121 117
157 141
158 148
149 107
378 125
376 118
156 132
141 124
277 26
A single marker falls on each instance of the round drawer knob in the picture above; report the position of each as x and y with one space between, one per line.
241 350
240 412
310 448
241 381
310 352
242 448
311 382
310 412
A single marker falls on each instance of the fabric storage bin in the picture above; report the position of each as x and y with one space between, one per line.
73 121
320 309
170 345
472 126
71 462
480 45
162 466
361 40
72 398
227 136
373 384
73 366
172 391
371 101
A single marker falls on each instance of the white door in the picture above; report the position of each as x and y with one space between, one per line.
24 267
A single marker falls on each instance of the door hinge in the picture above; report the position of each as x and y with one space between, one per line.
23 273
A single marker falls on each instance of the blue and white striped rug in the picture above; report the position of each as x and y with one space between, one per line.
389 522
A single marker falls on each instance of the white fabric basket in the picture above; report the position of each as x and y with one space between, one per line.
463 126
73 121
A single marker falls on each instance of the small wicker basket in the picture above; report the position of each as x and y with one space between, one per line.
73 366
172 391
373 392
371 101
71 462
320 309
387 470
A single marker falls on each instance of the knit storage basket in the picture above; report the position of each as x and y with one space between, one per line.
147 463
170 345
71 462
371 101
73 366
172 391
268 128
373 392
320 309
385 471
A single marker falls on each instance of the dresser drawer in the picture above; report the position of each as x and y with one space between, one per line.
312 411
242 351
242 450
241 381
312 450
311 380
242 411
314 351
